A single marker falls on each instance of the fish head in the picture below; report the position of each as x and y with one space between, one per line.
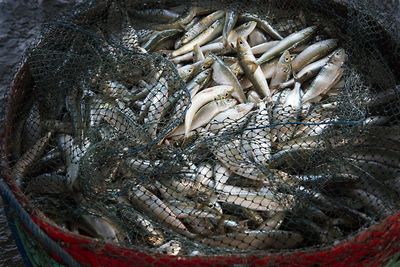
242 46
339 56
285 61
208 61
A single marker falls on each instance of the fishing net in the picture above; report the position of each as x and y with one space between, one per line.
97 138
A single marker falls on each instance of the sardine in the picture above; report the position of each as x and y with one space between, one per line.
327 77
252 70
257 38
288 42
231 17
152 205
282 72
230 119
159 37
21 168
211 32
204 115
313 52
200 27
203 98
262 24
223 75
307 72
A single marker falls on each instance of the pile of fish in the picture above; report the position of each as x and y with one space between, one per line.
260 102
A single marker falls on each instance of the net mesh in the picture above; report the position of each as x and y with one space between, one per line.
124 139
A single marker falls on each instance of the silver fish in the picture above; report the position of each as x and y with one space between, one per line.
328 76
290 41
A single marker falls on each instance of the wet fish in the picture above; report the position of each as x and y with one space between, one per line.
262 24
159 37
257 38
211 32
224 120
313 52
21 168
152 205
204 115
264 47
327 77
282 72
252 70
288 42
200 27
223 75
203 98
307 72
231 17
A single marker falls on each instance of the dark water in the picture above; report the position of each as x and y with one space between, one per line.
19 24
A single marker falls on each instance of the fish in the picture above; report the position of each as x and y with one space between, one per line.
230 119
172 247
307 72
313 52
223 75
252 70
159 37
264 47
282 72
188 71
257 38
202 25
208 48
199 82
262 24
209 34
231 155
139 196
231 17
243 31
256 141
253 97
21 168
155 111
72 154
202 98
197 54
144 227
32 128
188 15
187 208
221 176
327 77
204 115
288 42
